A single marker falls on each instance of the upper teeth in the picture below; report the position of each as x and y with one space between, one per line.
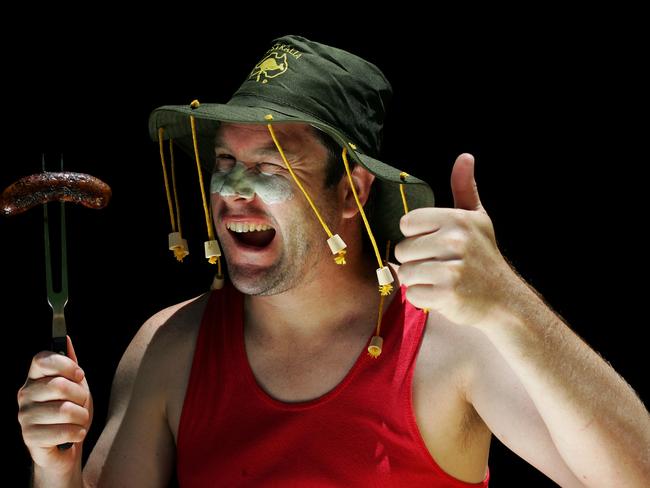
246 227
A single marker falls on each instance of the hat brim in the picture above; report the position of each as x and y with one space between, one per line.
175 121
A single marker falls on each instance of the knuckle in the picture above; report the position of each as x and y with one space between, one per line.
42 359
86 397
403 223
67 409
60 385
80 434
409 293
484 220
84 415
461 216
73 413
412 297
67 431
454 271
398 252
20 396
22 417
71 433
457 242
402 273
463 219
29 434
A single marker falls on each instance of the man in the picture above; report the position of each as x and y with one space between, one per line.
264 381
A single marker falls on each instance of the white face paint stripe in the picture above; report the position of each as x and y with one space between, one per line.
270 188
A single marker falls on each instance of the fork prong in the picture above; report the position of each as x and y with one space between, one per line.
64 253
64 260
48 260
56 299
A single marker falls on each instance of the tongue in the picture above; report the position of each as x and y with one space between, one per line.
260 238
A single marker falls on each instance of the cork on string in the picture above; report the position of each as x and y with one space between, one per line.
384 276
402 176
212 249
176 243
377 341
336 244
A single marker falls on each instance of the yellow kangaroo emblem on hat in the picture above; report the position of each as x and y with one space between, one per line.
271 66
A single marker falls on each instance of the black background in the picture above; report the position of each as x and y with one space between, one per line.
555 113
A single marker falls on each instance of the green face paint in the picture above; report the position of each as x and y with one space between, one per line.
238 180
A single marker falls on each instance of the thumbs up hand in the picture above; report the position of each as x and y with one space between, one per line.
450 260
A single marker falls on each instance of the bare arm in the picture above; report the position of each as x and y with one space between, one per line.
55 407
451 264
499 397
136 447
596 421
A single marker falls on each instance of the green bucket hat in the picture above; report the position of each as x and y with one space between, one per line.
298 80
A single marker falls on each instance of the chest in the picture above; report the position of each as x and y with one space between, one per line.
299 371
453 434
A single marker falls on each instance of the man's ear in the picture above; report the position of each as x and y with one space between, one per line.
362 179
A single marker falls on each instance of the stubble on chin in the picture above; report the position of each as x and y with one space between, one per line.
294 266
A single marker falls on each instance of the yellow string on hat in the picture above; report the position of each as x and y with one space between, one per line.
212 250
200 173
164 168
377 341
178 211
177 244
218 276
402 176
335 242
363 214
383 273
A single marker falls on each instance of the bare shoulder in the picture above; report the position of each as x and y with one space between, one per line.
450 346
171 333
136 447
454 433
162 334
169 322
445 347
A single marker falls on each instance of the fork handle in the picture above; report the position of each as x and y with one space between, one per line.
60 346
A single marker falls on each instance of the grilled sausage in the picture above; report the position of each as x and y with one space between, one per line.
48 186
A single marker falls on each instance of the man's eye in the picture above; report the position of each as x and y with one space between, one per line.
269 168
224 163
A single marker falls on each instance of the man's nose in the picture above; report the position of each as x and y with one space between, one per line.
239 188
244 195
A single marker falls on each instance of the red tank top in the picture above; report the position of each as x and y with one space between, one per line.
362 433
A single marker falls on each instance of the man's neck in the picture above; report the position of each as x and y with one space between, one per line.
317 309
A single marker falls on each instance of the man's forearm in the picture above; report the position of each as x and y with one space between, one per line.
597 422
48 479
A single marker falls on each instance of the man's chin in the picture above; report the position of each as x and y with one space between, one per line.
255 280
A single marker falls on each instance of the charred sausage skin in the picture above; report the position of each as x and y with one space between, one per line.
47 186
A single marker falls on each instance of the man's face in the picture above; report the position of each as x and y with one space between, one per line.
251 187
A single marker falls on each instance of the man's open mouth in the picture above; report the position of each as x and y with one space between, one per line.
250 234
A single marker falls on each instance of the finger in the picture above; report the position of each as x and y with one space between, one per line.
49 363
463 184
438 273
52 435
71 353
54 388
421 296
55 412
427 246
423 220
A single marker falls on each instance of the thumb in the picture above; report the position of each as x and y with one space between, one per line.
463 184
71 354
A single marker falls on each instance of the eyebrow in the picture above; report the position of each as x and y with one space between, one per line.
267 150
